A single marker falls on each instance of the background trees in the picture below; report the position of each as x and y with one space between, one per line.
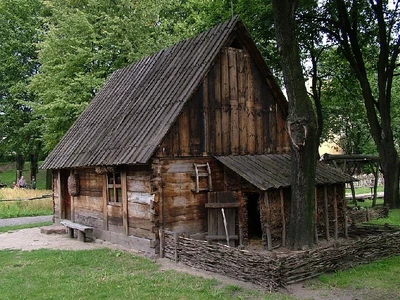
85 42
367 35
20 136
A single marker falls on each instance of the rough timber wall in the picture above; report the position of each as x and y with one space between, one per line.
88 205
141 209
184 209
232 112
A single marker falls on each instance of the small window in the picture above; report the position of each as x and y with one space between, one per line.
114 189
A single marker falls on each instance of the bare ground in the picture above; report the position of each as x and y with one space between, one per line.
32 239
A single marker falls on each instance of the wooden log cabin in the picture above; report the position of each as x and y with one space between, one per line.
191 139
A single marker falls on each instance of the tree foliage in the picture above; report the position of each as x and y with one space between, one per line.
367 34
19 34
85 42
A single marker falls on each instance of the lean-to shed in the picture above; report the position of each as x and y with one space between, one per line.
184 140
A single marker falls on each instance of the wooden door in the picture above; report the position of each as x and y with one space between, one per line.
65 196
222 207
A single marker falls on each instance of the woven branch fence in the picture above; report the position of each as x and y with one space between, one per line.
273 269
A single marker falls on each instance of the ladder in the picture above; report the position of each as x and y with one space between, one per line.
202 170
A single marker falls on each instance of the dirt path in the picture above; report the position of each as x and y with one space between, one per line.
32 239
25 220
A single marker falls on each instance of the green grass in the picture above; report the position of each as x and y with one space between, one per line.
104 274
365 190
392 219
8 171
18 227
379 279
27 208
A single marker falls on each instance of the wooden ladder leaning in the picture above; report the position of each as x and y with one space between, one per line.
203 170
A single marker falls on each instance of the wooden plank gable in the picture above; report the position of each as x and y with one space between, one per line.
232 112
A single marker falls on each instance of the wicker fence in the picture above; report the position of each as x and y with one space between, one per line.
273 269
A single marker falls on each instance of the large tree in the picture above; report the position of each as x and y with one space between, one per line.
367 35
20 25
301 127
85 42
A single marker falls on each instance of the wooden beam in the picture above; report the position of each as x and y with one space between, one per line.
221 205
335 214
316 216
105 203
125 214
268 219
251 130
326 213
60 200
283 218
206 126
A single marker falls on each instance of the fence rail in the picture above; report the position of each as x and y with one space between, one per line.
28 199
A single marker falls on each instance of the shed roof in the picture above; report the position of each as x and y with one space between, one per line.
272 171
127 120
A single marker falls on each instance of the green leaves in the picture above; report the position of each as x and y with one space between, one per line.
85 42
20 24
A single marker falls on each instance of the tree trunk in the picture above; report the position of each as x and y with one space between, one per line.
34 165
19 166
301 129
390 166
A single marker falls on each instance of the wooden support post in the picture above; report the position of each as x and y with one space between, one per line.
335 214
105 203
268 220
125 216
162 243
346 231
326 213
60 196
283 218
316 216
242 218
206 141
176 239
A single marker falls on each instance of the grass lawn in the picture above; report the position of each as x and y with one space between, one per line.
383 274
104 274
24 208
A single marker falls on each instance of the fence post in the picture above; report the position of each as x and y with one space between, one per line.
176 239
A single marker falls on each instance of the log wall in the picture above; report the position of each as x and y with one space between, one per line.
88 205
184 209
232 112
142 217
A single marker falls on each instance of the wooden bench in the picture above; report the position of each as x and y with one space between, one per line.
82 229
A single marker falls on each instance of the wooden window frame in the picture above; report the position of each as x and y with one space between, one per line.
114 184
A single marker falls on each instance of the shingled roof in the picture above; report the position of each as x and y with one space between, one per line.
127 120
273 171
